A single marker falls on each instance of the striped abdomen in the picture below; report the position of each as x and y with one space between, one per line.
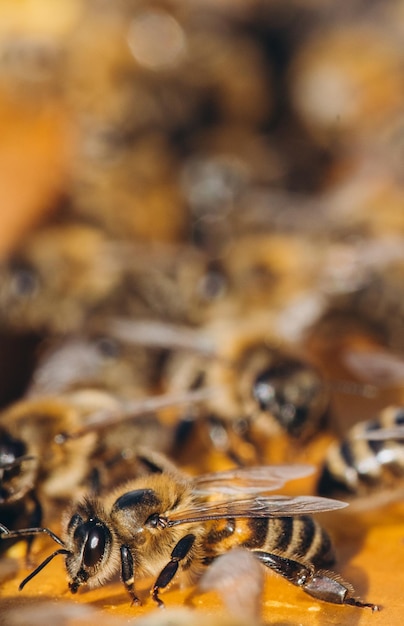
358 465
293 537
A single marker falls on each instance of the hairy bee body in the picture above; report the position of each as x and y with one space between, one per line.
126 517
365 460
64 277
167 525
258 385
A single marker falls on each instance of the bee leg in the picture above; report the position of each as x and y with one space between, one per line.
328 586
168 572
321 584
295 572
128 578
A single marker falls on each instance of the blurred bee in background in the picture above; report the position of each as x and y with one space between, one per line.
166 524
369 460
256 383
372 306
55 278
66 274
159 103
169 283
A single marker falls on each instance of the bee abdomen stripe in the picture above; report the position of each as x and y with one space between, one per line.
280 533
305 533
259 533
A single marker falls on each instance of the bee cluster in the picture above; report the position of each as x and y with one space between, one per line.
222 261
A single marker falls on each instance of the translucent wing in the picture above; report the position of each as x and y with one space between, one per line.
130 409
158 334
382 434
262 506
378 367
251 480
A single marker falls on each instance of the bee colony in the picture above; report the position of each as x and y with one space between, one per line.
201 318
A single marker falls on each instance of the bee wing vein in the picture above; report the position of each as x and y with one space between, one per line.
270 506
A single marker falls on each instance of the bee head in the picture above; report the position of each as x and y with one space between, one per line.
88 548
293 394
18 471
89 543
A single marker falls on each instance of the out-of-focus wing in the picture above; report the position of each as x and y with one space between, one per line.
251 480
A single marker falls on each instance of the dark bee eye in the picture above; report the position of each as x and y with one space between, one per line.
152 521
108 347
93 535
24 282
399 418
94 547
211 286
10 449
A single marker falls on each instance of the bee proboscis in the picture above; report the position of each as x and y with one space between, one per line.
167 523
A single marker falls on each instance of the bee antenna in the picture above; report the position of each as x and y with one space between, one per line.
5 533
41 566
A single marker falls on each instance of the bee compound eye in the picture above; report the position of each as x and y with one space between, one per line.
108 347
24 282
94 546
152 521
11 449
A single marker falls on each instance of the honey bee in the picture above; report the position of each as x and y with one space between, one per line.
369 459
67 274
167 523
56 278
374 305
257 383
